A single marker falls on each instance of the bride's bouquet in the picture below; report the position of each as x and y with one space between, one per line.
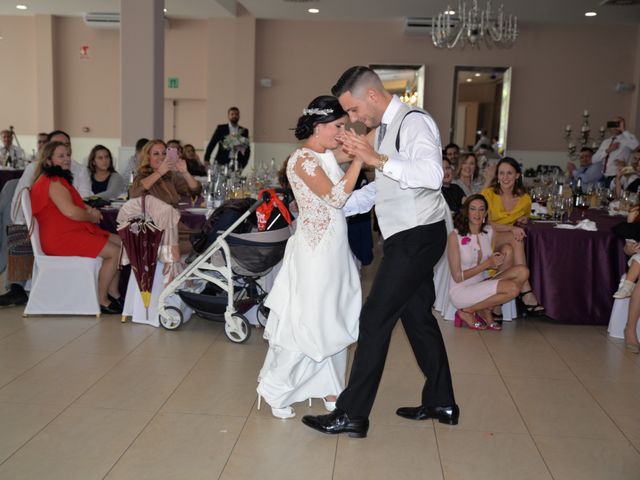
235 143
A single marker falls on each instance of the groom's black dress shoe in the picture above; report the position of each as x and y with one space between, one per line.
448 414
337 422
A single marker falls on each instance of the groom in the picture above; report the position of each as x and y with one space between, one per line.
410 210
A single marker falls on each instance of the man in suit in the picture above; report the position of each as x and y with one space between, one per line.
223 155
411 211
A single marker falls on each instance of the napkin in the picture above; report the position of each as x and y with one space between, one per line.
538 209
585 224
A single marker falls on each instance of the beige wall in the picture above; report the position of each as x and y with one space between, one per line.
558 71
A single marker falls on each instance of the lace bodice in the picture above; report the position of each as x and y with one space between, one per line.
319 190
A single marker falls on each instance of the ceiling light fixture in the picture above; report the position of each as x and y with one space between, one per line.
474 26
313 10
469 79
164 10
590 14
477 74
450 12
21 7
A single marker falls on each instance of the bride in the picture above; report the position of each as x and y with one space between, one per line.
316 298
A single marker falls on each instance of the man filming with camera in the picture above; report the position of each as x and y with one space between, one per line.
616 150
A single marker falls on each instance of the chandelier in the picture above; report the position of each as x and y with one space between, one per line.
584 138
474 26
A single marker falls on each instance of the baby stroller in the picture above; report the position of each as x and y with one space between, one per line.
231 267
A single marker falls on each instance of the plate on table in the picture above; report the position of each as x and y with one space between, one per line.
197 210
566 226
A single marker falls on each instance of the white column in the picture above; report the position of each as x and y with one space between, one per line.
142 69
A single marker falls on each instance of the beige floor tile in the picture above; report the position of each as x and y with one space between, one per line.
280 449
110 337
586 459
172 344
49 333
15 361
10 321
550 328
484 455
467 354
529 357
138 383
485 405
59 379
621 401
180 446
222 351
389 452
20 422
228 389
560 407
81 443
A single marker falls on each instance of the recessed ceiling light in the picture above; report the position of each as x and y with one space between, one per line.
590 14
313 10
450 12
477 74
469 79
21 7
164 10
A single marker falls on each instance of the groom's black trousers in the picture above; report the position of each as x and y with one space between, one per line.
403 288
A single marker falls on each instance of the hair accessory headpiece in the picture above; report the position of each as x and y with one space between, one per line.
317 111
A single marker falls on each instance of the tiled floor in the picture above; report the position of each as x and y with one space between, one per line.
82 398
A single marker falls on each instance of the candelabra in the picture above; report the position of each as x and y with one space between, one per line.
583 139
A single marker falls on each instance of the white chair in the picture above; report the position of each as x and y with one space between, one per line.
59 285
134 306
618 318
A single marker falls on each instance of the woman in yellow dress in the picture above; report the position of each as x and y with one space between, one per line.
510 206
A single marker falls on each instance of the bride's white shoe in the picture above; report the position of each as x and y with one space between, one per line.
330 406
283 413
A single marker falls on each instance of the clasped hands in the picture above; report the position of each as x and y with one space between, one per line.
357 147
495 259
95 214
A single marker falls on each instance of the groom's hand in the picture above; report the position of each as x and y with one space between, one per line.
359 147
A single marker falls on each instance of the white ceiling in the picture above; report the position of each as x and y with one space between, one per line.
538 11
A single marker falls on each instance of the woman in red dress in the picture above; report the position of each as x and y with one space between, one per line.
68 226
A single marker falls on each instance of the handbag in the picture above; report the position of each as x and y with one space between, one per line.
19 251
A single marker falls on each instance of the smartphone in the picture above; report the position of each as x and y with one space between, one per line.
172 156
613 124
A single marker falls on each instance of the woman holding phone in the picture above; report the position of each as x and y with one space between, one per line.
162 174
165 176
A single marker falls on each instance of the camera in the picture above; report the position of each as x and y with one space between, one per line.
613 124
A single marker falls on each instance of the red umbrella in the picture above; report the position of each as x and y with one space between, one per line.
141 240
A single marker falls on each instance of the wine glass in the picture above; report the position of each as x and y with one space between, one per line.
582 203
568 205
559 207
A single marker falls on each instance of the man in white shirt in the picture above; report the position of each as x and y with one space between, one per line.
616 150
10 155
411 210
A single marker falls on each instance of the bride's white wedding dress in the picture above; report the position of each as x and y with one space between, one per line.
316 298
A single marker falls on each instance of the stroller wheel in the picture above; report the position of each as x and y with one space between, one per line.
262 314
171 319
237 329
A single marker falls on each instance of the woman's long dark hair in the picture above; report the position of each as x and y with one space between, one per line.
518 186
461 222
92 159
322 109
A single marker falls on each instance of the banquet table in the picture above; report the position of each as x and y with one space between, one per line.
574 273
193 220
7 174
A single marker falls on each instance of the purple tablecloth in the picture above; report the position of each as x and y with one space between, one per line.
6 175
574 273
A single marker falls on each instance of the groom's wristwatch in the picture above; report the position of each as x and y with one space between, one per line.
382 158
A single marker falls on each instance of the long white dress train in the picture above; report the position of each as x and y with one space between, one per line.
316 298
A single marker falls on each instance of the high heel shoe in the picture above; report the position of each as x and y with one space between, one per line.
283 413
536 310
459 323
490 325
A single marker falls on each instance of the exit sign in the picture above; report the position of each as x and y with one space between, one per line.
173 82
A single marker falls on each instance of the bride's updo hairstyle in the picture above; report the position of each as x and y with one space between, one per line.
322 109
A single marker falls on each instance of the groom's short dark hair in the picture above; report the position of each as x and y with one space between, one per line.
353 78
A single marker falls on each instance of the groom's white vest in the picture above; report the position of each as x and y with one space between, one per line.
400 209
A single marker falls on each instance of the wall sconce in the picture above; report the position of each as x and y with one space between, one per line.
266 82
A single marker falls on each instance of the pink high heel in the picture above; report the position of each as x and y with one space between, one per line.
490 326
459 322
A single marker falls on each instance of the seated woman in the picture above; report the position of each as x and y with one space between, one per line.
106 183
194 166
166 179
627 178
510 204
629 287
467 174
470 256
451 192
68 226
